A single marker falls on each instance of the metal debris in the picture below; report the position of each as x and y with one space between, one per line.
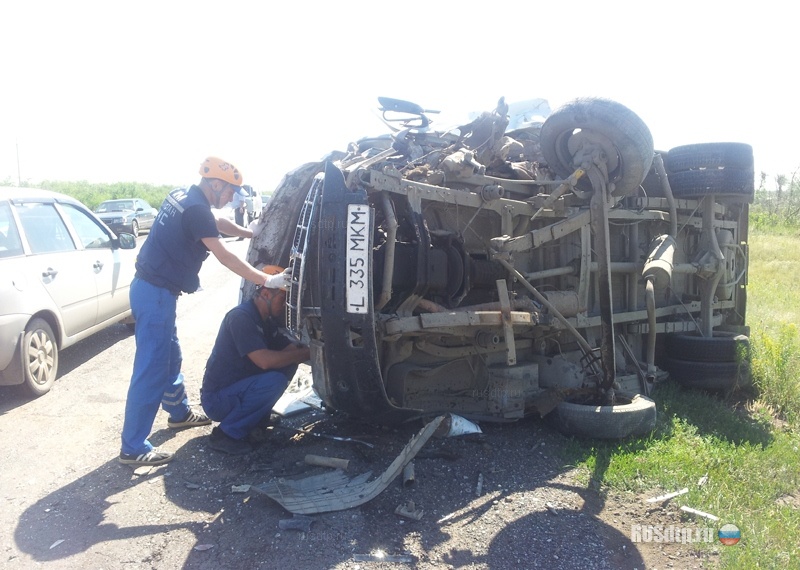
408 474
322 435
334 491
479 486
297 522
240 488
324 461
668 496
409 511
381 557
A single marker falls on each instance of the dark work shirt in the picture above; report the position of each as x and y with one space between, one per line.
242 331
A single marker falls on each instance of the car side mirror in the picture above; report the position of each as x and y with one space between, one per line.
140 209
126 241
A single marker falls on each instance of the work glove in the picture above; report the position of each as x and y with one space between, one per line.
256 226
279 280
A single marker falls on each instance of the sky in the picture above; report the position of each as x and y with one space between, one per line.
143 91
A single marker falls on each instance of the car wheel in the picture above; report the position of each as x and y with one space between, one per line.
622 135
39 357
634 414
135 228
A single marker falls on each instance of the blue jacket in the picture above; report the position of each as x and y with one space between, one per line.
173 253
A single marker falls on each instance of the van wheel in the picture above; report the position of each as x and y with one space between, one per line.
39 357
623 136
709 155
633 414
722 346
709 376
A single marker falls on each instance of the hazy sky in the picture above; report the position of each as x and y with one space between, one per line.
144 91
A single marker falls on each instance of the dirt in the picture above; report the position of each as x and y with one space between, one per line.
67 503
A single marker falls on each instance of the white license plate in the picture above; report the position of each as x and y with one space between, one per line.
357 270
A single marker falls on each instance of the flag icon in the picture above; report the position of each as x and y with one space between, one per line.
729 534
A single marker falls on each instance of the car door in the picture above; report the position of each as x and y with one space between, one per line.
111 268
55 261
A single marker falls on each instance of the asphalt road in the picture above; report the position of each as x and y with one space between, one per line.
56 450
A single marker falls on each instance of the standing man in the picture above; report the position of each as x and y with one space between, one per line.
168 264
249 368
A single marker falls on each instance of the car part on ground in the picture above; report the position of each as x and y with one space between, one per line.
63 276
480 270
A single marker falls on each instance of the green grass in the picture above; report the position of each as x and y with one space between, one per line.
749 448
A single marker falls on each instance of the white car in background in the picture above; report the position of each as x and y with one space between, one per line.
64 275
253 203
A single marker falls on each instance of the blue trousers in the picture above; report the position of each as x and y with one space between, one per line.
156 377
240 406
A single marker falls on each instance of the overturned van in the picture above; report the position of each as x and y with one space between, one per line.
515 265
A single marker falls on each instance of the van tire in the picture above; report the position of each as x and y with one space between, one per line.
721 347
634 416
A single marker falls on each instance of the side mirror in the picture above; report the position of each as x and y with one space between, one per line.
126 241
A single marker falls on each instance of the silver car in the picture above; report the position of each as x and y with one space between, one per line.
64 275
129 215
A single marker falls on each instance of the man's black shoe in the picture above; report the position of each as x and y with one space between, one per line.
220 441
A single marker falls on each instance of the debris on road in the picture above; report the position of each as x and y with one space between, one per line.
409 478
297 522
409 511
383 557
240 488
323 461
334 491
454 425
202 547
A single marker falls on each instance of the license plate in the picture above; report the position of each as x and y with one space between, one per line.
357 270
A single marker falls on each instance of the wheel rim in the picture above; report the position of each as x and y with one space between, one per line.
135 228
41 357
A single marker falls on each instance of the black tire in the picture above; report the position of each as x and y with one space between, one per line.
634 415
39 357
625 139
721 347
721 182
738 156
135 228
709 376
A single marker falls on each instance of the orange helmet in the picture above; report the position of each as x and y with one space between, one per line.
214 167
277 297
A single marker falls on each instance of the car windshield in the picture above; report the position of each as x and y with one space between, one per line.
114 206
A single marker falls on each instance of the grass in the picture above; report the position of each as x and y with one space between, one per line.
750 449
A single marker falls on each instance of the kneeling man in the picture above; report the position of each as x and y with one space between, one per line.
249 368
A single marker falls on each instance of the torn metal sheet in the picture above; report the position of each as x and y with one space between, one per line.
335 491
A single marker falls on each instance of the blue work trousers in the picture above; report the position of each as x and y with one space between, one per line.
156 377
240 406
